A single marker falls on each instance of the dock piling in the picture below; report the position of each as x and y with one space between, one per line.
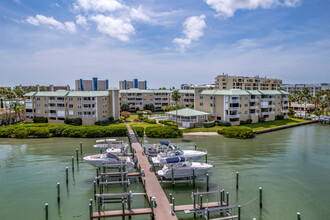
207 182
67 175
58 193
77 155
72 159
195 146
170 197
206 157
173 204
94 190
227 199
298 216
237 174
194 178
201 200
90 211
46 211
172 177
239 212
123 208
80 148
260 197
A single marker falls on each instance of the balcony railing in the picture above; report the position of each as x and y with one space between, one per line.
89 101
285 111
60 101
233 116
265 113
253 100
28 100
264 106
233 108
285 99
89 109
253 107
267 99
61 108
29 113
254 114
271 106
52 114
52 107
52 101
285 104
235 100
87 116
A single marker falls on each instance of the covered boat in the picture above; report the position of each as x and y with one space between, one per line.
161 147
177 155
110 143
108 159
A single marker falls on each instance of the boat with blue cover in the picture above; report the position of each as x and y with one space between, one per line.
161 147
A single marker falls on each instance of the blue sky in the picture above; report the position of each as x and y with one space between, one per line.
165 42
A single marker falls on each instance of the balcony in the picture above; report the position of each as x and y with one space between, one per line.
253 100
253 107
61 108
29 113
264 106
265 113
233 108
267 99
285 104
233 116
254 114
272 106
89 109
28 100
52 114
89 101
60 101
285 99
87 116
52 107
52 101
285 111
234 100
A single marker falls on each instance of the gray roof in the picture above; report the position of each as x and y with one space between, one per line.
243 92
186 112
63 93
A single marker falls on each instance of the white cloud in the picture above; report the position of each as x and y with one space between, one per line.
98 5
114 27
193 29
245 43
138 14
52 23
227 8
81 20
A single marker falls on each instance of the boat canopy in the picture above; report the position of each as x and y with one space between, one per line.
175 159
100 141
164 143
111 140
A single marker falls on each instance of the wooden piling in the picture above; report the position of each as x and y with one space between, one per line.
90 211
67 175
80 148
173 204
207 182
58 193
237 180
206 157
94 190
172 177
260 197
195 147
46 211
77 155
123 208
239 212
194 178
221 197
298 216
170 197
72 163
227 203
201 202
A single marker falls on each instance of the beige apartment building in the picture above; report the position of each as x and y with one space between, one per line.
134 84
56 106
93 84
235 105
225 81
138 98
50 88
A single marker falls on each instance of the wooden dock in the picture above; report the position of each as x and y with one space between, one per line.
182 208
118 213
152 186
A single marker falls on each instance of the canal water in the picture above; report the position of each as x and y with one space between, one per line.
292 166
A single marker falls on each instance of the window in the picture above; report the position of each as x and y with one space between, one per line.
70 99
38 111
46 105
246 105
202 117
246 112
211 104
46 111
257 111
246 97
239 113
38 105
79 99
278 109
38 98
45 98
79 106
201 104
79 113
201 97
70 106
104 98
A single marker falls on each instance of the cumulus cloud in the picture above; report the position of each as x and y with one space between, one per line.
114 27
52 23
227 8
138 14
193 30
81 20
98 5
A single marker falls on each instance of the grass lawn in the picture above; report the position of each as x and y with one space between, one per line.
272 124
256 126
144 124
132 117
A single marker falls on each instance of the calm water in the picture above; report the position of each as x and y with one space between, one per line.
292 166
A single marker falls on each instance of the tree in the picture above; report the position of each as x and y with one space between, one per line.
323 105
317 99
292 97
150 107
19 92
327 98
176 97
318 113
192 106
124 107
125 115
291 113
42 89
306 96
17 108
31 89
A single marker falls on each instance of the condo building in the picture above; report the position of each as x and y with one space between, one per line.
235 105
313 88
225 81
56 106
50 88
91 85
138 98
135 84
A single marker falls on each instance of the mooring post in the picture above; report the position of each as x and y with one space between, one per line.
239 212
72 163
144 185
77 154
260 197
129 200
90 211
227 199
98 205
194 178
67 175
237 180
207 182
298 216
201 199
94 190
161 181
97 171
58 193
46 210
123 207
206 157
170 197
152 206
194 200
195 146
172 177
221 196
173 203
80 148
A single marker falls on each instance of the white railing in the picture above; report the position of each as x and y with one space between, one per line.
235 100
28 100
87 116
271 113
28 113
264 106
271 106
285 104
253 100
267 99
254 114
60 101
61 108
234 108
52 107
52 100
89 101
253 107
265 113
285 99
89 109
285 111
233 116
52 114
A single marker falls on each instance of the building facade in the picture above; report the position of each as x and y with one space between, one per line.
56 106
91 85
225 81
138 98
235 105
50 88
135 84
313 88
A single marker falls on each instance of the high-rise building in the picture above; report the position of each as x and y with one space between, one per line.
313 88
135 84
225 81
91 85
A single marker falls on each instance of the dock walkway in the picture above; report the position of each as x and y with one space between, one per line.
152 186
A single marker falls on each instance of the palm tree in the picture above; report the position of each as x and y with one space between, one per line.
317 99
292 97
176 97
19 92
306 96
42 89
16 107
327 99
31 89
323 105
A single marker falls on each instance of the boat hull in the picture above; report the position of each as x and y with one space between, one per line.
95 160
200 169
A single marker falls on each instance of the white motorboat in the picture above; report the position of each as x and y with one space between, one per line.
184 170
177 156
108 159
110 143
161 147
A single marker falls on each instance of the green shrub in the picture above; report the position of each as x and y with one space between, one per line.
40 120
249 121
139 130
152 121
161 121
209 124
40 132
6 131
163 132
279 117
57 129
222 123
242 122
73 121
239 132
20 133
107 122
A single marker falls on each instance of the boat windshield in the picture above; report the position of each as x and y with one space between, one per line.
108 155
178 152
